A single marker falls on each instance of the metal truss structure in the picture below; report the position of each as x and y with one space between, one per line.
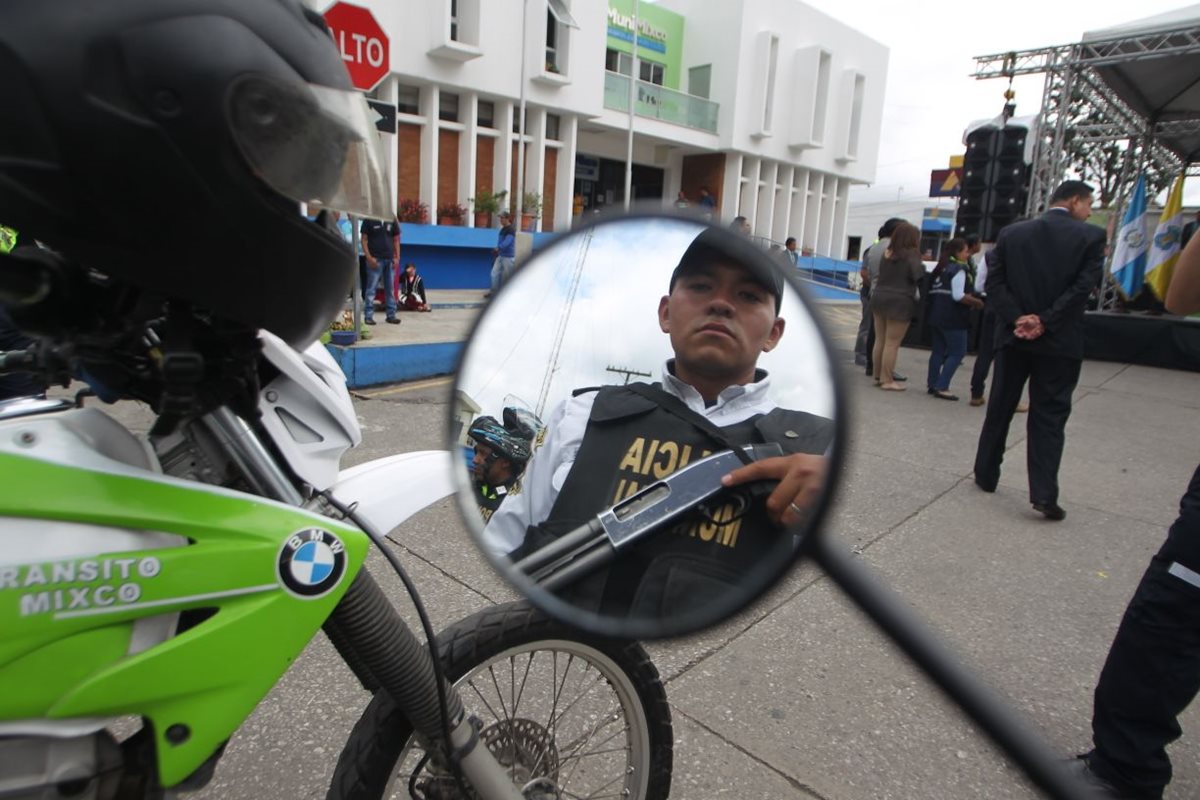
1165 137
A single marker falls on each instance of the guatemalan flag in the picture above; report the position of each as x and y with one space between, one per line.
1129 259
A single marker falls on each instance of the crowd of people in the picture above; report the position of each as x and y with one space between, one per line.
1030 292
1026 297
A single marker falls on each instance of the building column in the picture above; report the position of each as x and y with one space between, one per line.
673 179
841 210
768 177
468 150
503 168
812 209
783 203
828 206
748 207
430 101
564 192
535 157
731 188
389 92
799 199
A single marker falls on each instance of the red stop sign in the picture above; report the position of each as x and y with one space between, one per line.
362 43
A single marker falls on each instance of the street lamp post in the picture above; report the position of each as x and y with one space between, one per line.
633 76
521 119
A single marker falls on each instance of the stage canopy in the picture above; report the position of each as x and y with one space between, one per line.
1139 81
1159 76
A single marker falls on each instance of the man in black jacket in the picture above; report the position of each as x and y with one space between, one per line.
1038 286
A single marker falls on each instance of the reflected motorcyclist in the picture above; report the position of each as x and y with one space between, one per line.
501 452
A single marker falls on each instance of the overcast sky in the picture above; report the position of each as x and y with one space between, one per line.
931 96
518 353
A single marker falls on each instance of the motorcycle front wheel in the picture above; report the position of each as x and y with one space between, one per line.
567 714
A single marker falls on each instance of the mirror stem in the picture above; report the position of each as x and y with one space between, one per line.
894 617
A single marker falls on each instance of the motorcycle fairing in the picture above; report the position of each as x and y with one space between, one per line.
71 648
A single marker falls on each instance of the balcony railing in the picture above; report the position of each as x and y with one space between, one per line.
659 102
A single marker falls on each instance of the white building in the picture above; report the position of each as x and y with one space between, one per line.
773 106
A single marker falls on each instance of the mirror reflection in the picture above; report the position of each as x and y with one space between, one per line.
646 415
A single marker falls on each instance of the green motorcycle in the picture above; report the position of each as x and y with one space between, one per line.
173 577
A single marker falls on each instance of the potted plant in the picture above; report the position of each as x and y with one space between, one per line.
531 209
341 332
450 214
486 204
412 211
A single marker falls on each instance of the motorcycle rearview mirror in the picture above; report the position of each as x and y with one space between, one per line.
603 400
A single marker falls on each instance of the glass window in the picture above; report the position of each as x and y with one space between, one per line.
448 107
551 42
409 100
700 80
616 61
651 72
487 114
454 20
552 123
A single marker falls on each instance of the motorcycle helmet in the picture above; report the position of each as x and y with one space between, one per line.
169 143
504 442
522 422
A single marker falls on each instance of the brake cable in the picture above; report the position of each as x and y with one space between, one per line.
439 676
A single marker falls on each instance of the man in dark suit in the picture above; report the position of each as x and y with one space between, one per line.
1038 285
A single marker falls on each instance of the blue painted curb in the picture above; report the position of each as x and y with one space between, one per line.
458 305
370 366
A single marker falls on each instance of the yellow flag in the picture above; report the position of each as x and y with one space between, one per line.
1164 248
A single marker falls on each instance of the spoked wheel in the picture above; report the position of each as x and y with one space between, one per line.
567 714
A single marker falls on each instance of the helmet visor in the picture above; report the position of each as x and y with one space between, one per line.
312 144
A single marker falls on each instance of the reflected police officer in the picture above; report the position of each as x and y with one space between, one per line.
603 445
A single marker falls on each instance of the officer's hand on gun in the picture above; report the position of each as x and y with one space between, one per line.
801 477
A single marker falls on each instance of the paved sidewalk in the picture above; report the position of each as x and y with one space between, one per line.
799 697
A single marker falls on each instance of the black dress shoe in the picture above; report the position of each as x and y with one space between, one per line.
392 321
987 486
369 321
1081 770
1052 511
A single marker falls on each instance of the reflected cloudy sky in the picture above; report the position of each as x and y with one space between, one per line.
535 344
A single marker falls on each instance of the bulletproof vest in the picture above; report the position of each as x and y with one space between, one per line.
489 498
630 442
944 310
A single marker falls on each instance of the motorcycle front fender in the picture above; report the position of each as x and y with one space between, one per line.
389 490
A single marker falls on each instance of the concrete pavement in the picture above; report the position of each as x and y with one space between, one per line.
799 696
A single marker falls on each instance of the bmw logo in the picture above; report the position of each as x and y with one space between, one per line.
311 562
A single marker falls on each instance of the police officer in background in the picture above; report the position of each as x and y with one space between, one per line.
1153 668
602 445
500 456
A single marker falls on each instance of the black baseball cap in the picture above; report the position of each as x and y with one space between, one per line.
716 245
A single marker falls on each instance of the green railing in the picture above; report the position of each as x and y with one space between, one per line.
659 102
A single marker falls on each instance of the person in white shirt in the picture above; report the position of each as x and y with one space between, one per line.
600 446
